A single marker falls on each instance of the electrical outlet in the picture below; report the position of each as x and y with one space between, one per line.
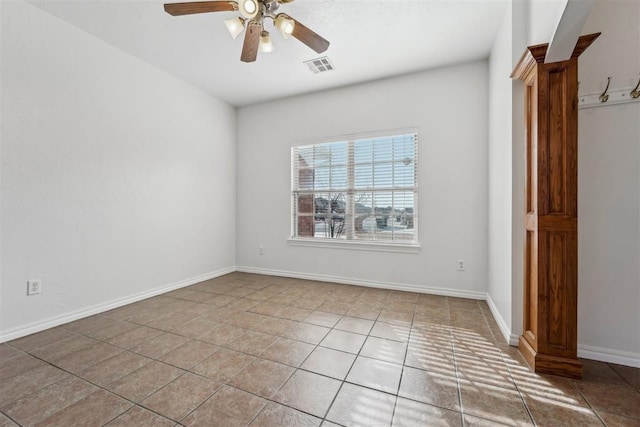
34 287
460 265
260 250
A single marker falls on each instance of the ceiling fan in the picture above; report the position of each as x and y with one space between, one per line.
254 13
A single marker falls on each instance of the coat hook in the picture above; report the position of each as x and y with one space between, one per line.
605 96
635 93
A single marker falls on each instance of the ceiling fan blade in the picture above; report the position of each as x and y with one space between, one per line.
190 8
310 38
251 42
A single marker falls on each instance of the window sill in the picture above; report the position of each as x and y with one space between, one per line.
412 248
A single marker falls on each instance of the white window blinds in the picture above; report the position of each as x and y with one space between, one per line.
357 189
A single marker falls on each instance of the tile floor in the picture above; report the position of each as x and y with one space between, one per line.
268 351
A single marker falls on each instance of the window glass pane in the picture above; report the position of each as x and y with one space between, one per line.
403 174
339 177
363 151
383 150
363 176
380 206
382 175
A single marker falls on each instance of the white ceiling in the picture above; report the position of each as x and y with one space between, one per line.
369 40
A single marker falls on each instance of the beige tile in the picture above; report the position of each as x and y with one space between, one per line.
12 389
95 409
430 387
294 313
391 331
159 345
304 332
19 365
551 412
395 317
196 329
242 304
240 292
276 415
223 335
38 406
60 349
335 307
600 372
560 390
190 295
630 374
613 398
359 406
221 300
111 330
134 337
228 407
332 363
181 396
41 339
343 341
7 352
169 323
493 403
364 312
110 370
140 417
6 422
144 315
262 377
289 352
383 376
252 342
223 365
409 413
614 420
267 308
88 323
140 384
274 326
462 303
83 359
353 324
490 370
322 318
190 354
222 315
400 306
383 349
308 392
471 421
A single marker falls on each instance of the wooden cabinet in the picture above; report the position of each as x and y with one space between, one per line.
549 340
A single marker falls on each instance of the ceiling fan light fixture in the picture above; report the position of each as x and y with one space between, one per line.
249 8
266 45
235 26
285 25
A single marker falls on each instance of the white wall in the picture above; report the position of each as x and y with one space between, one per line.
117 179
608 188
542 19
499 173
449 108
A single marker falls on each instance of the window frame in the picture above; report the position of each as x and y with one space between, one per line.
403 246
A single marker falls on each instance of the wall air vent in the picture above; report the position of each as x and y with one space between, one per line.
319 65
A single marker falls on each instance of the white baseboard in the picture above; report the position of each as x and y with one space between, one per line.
41 325
512 339
584 351
609 355
370 283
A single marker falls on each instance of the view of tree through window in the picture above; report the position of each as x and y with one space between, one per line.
360 189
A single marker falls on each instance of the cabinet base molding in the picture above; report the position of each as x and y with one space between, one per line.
549 364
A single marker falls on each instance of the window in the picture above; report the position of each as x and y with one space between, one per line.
357 189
